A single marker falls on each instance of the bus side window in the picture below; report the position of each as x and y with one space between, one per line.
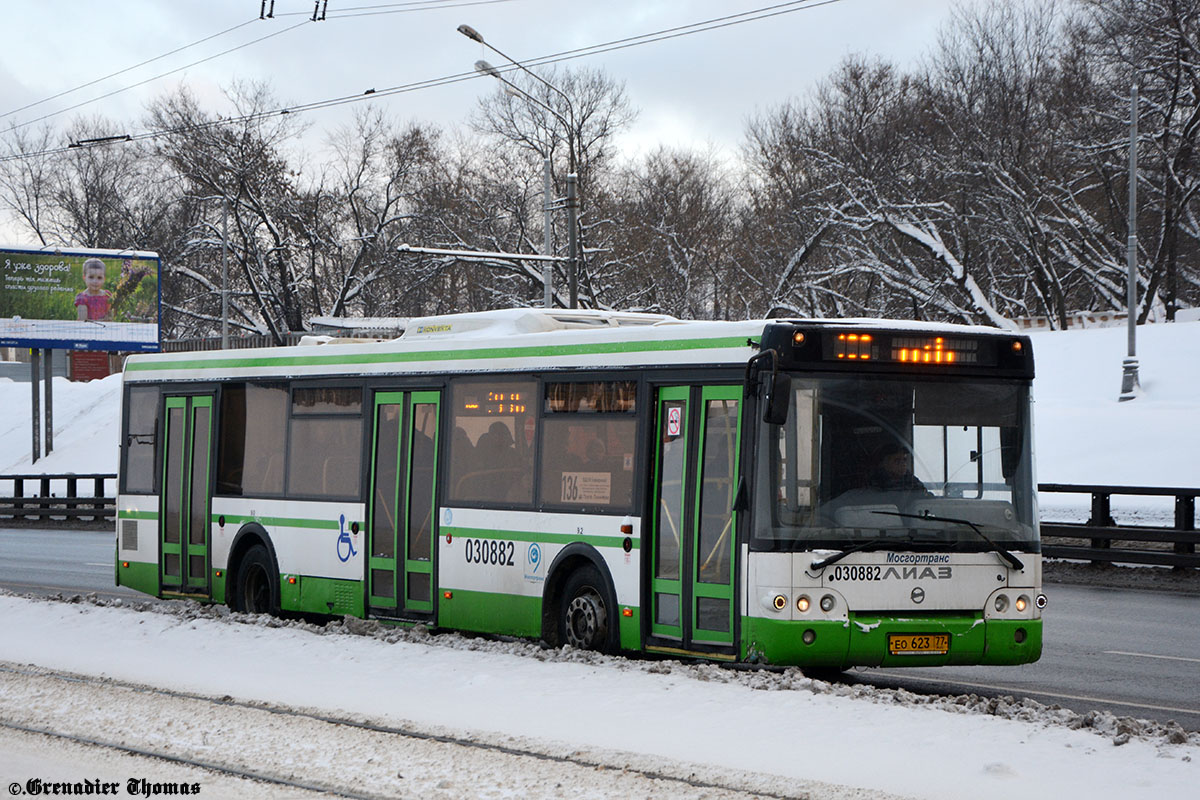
589 442
253 432
138 470
492 444
325 442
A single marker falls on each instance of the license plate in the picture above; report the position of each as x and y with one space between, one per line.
918 644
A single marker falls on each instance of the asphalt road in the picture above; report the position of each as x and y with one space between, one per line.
1132 652
45 561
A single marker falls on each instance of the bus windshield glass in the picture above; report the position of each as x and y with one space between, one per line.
877 459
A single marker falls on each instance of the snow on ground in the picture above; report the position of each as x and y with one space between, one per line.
87 419
802 736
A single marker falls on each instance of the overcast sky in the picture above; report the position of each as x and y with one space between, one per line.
692 90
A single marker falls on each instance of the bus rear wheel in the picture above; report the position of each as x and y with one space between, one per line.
255 591
585 616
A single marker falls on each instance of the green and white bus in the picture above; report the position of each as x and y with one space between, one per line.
798 492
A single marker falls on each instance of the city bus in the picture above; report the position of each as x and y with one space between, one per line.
817 493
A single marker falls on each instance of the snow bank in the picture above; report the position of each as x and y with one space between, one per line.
779 724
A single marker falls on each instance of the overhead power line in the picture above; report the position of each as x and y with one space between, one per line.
390 8
553 58
126 69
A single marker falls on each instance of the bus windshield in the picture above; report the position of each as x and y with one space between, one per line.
907 462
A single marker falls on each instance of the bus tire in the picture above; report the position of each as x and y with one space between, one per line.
257 587
585 618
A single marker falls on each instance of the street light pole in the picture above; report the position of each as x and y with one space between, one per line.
1129 371
572 200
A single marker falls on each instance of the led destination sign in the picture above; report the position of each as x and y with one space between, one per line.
916 349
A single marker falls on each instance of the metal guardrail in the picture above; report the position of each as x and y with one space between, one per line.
33 498
1100 539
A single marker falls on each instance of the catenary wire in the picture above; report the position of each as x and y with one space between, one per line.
371 94
128 69
443 4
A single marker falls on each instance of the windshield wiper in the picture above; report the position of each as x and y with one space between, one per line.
1004 554
821 563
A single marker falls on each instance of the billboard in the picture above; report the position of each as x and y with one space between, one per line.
79 299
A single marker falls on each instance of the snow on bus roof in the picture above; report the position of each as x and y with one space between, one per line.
509 321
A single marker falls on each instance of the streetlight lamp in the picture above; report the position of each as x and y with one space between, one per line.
572 199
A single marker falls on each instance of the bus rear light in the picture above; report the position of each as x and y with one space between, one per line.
447 595
803 604
291 580
627 612
220 573
125 564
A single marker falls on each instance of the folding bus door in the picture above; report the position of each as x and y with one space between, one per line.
400 523
693 523
186 499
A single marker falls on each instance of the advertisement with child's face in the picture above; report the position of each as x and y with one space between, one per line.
79 299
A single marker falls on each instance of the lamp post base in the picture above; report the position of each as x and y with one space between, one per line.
1130 386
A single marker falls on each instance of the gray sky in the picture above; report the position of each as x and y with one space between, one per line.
693 90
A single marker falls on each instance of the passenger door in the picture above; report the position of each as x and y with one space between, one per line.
186 499
693 524
400 517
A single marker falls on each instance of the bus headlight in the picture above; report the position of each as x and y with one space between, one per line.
1022 604
802 604
827 603
780 602
1001 603
1040 602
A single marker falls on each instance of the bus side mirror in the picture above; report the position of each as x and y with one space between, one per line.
775 398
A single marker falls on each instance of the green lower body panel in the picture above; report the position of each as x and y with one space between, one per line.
139 576
630 629
321 596
863 641
488 612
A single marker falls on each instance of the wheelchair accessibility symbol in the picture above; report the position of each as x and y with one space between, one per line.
344 543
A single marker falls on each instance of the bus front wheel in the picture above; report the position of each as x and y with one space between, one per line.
255 592
585 616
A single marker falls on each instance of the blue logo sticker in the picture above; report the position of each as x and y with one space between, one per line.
534 557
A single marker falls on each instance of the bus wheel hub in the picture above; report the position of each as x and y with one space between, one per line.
585 619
